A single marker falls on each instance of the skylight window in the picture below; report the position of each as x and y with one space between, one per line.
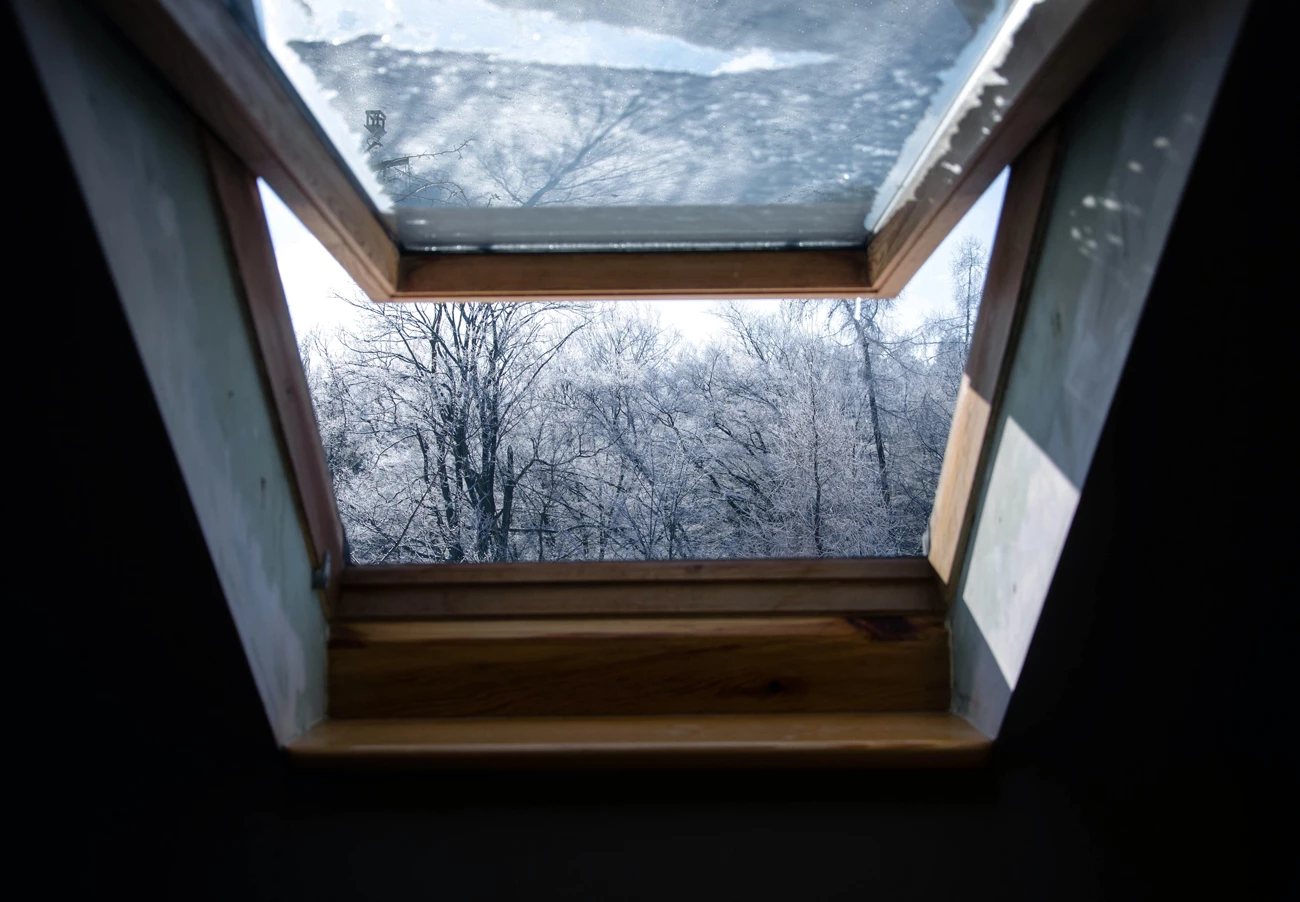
525 125
581 431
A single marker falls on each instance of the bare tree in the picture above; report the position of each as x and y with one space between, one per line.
437 395
969 267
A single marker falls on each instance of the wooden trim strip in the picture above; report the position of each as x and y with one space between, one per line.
1010 273
759 741
205 56
350 636
763 569
1054 51
626 666
254 258
632 275
894 585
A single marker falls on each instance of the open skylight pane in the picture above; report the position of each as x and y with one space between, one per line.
620 124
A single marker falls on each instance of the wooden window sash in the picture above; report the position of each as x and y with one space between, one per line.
232 84
983 381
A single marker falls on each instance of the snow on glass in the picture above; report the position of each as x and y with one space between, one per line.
446 107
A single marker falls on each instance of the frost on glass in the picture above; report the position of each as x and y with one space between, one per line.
481 432
460 109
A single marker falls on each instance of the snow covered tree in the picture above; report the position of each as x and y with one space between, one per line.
499 432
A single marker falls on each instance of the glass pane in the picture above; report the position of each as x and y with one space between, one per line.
617 431
565 124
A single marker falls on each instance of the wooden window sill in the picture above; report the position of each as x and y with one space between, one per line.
926 739
638 667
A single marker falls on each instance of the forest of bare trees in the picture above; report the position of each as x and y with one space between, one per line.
579 431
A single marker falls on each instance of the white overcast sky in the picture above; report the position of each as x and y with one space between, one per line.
313 279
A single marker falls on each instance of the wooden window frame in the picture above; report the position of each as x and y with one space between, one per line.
713 622
749 663
620 588
844 635
234 87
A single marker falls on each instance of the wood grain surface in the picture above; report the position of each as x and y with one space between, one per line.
638 666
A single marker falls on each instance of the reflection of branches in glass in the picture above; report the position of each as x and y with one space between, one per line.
609 138
436 187
583 156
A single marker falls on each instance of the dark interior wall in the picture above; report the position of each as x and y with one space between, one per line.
1142 753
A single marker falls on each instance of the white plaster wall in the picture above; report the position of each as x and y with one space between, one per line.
1129 147
137 155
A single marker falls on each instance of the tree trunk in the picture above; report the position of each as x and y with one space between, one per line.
869 378
507 507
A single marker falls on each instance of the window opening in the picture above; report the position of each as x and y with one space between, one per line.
669 430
